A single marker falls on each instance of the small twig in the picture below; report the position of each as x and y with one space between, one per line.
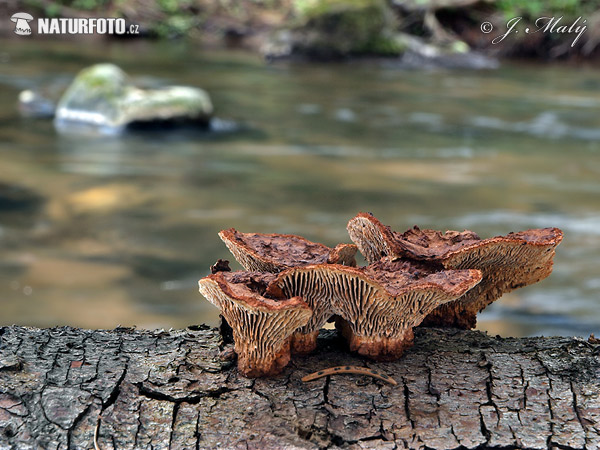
96 446
349 369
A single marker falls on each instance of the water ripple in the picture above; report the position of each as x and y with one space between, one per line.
582 224
546 125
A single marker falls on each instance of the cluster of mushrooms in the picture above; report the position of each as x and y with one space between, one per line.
291 287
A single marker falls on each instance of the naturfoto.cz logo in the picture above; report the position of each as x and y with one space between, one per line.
72 25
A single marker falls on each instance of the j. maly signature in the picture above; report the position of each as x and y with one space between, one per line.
546 25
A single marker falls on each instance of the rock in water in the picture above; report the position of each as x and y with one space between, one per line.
333 29
32 103
339 29
103 97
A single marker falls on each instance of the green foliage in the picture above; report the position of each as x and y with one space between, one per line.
315 8
48 10
176 21
533 9
173 6
88 5
54 9
174 26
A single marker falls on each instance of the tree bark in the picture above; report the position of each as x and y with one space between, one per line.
178 390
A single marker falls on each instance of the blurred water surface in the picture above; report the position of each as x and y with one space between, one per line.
128 224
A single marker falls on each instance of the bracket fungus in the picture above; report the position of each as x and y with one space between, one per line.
262 327
276 252
506 262
378 305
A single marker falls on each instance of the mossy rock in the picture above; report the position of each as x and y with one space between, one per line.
339 28
95 96
103 96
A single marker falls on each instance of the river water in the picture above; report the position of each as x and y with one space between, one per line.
128 224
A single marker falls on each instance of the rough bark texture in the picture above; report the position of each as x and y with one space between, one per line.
159 390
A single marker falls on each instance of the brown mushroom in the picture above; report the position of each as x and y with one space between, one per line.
262 327
506 262
375 240
276 252
379 304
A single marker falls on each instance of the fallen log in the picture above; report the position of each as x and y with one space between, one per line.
67 388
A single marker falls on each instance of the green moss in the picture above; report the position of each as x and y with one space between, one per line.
101 84
383 45
316 8
347 27
459 47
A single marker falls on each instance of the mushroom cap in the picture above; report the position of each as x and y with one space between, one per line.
523 247
455 249
370 236
432 244
262 327
376 240
401 276
384 288
246 289
506 262
21 15
276 252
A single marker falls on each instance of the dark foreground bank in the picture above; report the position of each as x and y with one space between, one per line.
451 33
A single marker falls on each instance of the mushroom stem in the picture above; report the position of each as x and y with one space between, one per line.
455 314
377 347
252 362
344 254
304 343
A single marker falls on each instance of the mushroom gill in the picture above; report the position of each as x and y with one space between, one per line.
276 252
262 327
370 236
506 262
378 305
